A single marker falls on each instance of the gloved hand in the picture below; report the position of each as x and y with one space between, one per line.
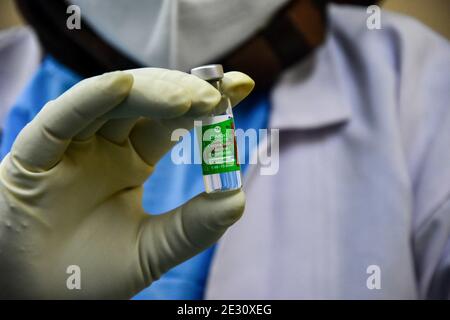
71 187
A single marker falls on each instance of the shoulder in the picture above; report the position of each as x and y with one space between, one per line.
401 74
403 59
401 41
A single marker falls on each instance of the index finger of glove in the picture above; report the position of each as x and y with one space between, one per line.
41 144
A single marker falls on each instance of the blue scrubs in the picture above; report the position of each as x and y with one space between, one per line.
170 185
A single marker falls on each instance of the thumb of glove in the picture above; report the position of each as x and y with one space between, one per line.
174 237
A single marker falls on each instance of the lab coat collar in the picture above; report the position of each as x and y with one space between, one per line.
309 95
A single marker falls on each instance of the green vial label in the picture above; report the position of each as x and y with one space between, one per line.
219 150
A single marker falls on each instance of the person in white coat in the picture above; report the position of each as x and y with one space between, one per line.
359 207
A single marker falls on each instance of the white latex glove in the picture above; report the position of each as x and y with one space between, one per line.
71 187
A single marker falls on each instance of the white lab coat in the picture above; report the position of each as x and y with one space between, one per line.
360 207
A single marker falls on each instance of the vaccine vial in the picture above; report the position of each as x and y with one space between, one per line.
217 140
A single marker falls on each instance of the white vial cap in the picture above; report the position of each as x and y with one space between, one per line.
212 72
